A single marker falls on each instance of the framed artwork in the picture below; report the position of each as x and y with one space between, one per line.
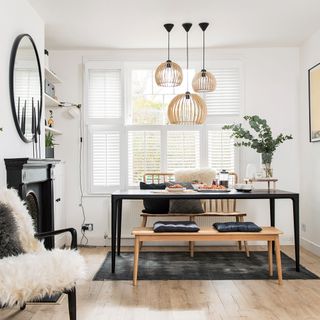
314 102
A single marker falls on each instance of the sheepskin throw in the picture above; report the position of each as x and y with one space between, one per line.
33 275
24 222
204 175
9 238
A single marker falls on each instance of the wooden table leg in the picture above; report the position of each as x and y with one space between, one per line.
278 259
136 259
270 258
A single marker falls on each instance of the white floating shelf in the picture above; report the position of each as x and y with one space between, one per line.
51 76
53 131
51 102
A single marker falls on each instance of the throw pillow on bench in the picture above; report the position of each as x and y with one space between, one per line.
236 227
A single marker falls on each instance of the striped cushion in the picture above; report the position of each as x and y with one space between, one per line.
175 226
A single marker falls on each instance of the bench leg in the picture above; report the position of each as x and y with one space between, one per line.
136 259
278 259
270 258
238 219
143 224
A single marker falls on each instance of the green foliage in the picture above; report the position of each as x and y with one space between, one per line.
260 139
49 141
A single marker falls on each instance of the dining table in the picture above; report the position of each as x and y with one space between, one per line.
117 198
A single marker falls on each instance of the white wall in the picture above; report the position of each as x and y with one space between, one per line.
16 17
310 152
271 91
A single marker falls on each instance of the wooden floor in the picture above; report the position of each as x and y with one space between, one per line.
194 300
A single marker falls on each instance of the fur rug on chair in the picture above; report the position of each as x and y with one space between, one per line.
24 221
31 276
38 272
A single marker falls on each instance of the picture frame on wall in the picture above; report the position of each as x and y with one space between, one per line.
314 102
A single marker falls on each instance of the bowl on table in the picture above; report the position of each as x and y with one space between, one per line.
244 187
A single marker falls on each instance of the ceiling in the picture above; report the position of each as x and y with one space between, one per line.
101 24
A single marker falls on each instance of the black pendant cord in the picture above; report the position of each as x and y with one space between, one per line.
168 46
187 27
203 50
187 61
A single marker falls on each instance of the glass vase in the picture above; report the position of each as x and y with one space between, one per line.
266 160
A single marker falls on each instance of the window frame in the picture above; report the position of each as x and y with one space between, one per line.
213 122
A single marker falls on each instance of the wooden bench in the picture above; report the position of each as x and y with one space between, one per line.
213 208
269 234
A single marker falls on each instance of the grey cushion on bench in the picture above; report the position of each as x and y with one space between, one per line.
185 205
175 226
236 227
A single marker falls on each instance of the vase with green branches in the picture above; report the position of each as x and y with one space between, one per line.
260 138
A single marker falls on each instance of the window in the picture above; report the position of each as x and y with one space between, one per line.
104 94
143 154
105 158
221 153
183 150
148 101
225 100
104 110
127 140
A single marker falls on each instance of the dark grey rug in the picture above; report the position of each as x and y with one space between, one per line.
204 266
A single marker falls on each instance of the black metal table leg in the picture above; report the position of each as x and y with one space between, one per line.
114 210
296 225
272 217
119 225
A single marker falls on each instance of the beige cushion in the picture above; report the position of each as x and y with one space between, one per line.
204 175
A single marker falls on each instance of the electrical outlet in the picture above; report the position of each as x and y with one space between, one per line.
87 227
304 227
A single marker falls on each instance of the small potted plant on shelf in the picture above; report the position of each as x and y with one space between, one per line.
50 145
260 139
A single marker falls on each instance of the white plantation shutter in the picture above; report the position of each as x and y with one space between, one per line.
144 154
221 150
105 159
225 100
104 94
183 150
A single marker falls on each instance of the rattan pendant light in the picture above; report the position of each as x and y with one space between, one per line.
187 108
168 74
204 81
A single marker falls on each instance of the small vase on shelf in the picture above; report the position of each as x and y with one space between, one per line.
266 160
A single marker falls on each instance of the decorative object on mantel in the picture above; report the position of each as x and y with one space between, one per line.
187 108
50 145
169 73
204 81
262 140
314 102
50 120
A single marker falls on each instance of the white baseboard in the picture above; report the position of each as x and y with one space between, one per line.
311 246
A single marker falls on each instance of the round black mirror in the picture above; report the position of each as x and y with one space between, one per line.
25 87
